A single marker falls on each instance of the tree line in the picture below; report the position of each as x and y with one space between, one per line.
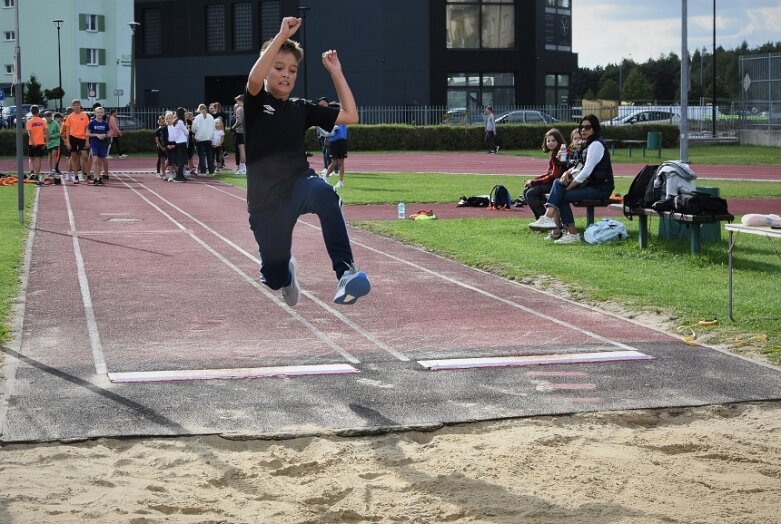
659 80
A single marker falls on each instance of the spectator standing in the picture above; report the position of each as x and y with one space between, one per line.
53 145
180 135
38 130
99 139
115 132
490 130
217 141
323 138
338 150
280 184
238 136
203 130
76 126
161 140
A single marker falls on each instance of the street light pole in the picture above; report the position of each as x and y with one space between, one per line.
59 23
302 13
133 26
713 93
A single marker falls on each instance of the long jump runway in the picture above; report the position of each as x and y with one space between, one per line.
142 314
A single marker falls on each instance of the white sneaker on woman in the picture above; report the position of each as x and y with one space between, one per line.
568 238
543 223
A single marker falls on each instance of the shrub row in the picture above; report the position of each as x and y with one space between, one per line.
411 138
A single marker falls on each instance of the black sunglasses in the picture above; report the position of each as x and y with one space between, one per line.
586 127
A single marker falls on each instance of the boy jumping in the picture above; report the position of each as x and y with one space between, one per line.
280 184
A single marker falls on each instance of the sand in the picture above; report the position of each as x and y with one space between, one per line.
713 464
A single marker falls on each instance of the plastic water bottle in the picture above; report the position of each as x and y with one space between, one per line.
563 153
401 211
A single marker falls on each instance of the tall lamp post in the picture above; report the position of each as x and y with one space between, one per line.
302 13
59 23
133 26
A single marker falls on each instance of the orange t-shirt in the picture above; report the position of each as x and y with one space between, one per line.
37 128
77 125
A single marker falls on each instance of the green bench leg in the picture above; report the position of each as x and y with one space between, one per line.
695 239
643 231
589 215
630 150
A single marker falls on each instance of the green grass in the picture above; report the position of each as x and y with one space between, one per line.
387 188
663 278
11 249
716 154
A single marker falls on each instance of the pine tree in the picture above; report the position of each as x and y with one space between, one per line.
33 93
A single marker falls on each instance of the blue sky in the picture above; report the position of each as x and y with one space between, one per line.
605 31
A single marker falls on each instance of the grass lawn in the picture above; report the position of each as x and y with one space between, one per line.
727 154
663 278
11 250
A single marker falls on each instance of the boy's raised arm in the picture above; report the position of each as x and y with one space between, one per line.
264 62
349 112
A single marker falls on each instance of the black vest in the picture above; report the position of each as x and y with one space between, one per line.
603 171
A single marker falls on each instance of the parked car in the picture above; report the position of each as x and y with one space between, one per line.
523 116
646 117
460 116
128 123
9 114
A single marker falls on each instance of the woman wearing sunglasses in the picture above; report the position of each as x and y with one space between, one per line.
592 181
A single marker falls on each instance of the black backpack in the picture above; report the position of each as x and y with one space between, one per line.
636 196
474 201
700 203
500 198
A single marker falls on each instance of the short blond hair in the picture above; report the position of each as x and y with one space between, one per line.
289 46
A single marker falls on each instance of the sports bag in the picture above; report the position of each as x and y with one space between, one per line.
635 197
700 203
500 198
474 201
605 231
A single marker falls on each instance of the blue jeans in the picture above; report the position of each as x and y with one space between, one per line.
273 229
560 198
205 156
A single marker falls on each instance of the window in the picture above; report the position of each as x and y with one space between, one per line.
477 90
92 23
92 57
556 90
480 24
9 36
215 28
9 3
93 90
151 21
242 26
269 19
9 69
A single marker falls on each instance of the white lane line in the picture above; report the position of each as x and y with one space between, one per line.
532 360
89 313
250 280
340 316
227 374
141 232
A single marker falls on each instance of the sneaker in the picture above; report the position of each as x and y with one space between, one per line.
568 238
496 150
291 293
543 223
339 185
553 235
177 179
109 157
122 156
352 286
324 172
99 182
75 180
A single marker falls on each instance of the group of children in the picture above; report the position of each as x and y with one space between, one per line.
84 141
175 144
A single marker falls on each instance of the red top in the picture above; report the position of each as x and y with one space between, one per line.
554 172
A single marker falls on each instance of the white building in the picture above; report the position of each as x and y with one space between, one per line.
94 44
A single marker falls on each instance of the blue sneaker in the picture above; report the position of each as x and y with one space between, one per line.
291 293
352 286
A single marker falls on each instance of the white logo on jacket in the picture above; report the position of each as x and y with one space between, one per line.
268 109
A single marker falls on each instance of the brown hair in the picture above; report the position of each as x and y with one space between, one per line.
555 133
289 46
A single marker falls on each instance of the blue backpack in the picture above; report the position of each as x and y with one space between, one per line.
604 231
500 198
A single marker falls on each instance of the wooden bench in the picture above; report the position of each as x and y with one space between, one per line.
630 143
695 221
590 205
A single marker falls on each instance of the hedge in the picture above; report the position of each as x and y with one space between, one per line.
411 138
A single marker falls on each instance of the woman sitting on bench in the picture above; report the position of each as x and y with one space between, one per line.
593 182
